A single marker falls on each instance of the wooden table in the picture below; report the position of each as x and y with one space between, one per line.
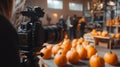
102 41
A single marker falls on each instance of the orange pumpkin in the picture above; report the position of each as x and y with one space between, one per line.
111 58
96 61
85 43
49 46
89 46
47 53
91 51
112 35
59 44
55 49
60 59
82 52
72 56
66 45
105 33
94 32
99 33
66 36
117 36
74 42
80 41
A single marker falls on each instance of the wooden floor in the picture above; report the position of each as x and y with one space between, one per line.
85 63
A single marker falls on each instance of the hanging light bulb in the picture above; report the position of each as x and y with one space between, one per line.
111 3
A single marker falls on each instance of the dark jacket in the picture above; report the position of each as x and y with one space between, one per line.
9 56
62 24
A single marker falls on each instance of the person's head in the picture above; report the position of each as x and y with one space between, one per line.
61 17
82 20
6 7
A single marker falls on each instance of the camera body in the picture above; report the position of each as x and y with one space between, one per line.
32 34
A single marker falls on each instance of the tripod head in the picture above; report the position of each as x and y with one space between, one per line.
35 12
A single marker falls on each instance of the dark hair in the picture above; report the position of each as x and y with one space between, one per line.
6 7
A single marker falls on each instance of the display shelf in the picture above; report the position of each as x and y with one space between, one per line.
113 28
105 42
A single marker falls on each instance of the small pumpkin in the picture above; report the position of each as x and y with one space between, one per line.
96 61
111 58
55 49
105 33
74 42
112 35
60 59
66 36
80 41
89 46
47 53
72 56
99 33
66 45
90 52
117 36
82 52
85 43
94 32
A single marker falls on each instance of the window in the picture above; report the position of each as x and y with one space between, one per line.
55 4
75 6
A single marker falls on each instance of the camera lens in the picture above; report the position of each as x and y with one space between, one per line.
53 34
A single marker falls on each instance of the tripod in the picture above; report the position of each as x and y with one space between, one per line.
29 58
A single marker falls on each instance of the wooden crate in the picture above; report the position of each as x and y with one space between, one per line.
103 44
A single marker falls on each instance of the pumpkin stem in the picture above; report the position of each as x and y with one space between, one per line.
96 54
110 51
60 53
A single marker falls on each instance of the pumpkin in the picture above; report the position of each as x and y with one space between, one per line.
66 36
80 41
49 46
117 36
59 44
89 46
74 42
96 61
47 53
111 58
94 32
60 59
90 52
63 51
112 35
105 33
66 45
85 43
55 49
72 56
82 52
99 33
110 22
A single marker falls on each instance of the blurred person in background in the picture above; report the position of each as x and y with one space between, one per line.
81 24
62 24
69 27
74 23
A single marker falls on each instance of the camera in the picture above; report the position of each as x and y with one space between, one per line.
32 34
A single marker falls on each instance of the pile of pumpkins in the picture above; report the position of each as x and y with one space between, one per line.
73 51
114 21
104 34
99 33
